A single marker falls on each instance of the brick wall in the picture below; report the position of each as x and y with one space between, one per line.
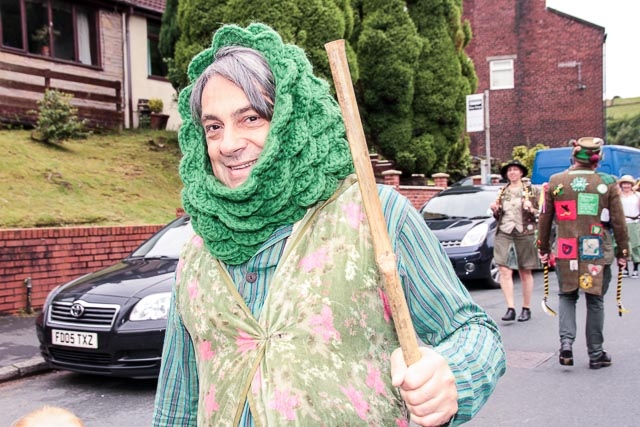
53 256
558 74
417 195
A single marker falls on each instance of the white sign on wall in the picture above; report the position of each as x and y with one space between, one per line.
475 112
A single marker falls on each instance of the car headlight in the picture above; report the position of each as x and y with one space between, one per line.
476 235
152 307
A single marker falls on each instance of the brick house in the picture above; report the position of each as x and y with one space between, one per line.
103 52
543 70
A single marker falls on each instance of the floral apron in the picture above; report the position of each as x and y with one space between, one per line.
319 352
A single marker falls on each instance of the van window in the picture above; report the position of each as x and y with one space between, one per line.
628 163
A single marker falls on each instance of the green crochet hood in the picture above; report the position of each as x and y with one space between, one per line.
305 156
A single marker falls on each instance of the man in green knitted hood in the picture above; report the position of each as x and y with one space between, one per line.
278 315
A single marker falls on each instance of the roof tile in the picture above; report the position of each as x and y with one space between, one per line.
154 5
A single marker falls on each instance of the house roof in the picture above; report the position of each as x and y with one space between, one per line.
150 5
574 18
156 5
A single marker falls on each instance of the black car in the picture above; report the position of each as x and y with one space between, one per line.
112 322
461 219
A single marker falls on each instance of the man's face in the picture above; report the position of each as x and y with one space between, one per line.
234 131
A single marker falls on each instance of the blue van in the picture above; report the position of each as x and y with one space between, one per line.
617 160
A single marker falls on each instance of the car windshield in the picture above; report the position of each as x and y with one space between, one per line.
460 205
168 242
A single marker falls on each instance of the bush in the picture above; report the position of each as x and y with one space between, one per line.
624 131
156 105
58 119
527 154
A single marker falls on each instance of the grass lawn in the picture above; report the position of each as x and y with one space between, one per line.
125 178
619 108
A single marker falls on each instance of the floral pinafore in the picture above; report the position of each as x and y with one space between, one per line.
319 352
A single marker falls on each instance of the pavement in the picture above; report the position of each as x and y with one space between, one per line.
19 348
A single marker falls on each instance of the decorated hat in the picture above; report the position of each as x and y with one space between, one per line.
523 168
588 150
627 178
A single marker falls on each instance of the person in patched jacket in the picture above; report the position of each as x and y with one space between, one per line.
587 209
516 209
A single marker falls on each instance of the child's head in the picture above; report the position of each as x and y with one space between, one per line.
49 416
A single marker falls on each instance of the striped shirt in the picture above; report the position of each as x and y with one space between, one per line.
443 313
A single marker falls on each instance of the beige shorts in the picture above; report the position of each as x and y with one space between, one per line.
523 246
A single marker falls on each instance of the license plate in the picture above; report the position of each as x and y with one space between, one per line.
74 338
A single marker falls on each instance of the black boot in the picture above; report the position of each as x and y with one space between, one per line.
510 314
601 362
566 354
524 315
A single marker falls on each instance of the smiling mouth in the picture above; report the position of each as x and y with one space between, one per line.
242 166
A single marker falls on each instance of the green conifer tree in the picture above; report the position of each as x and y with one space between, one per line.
387 49
309 24
169 35
197 21
444 77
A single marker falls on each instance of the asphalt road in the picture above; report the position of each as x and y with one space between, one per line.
98 401
535 391
538 391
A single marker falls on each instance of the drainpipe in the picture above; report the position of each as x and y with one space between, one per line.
126 41
29 286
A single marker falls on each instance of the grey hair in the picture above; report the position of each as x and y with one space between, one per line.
247 69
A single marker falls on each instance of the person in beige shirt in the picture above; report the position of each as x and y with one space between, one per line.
515 209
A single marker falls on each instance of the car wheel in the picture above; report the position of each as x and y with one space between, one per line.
493 280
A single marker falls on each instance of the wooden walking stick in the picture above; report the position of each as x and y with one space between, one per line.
385 258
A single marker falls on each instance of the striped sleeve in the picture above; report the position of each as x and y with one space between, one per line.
176 402
443 312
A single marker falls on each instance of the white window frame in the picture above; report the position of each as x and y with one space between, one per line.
501 73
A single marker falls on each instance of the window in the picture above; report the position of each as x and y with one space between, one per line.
56 28
501 74
11 23
157 67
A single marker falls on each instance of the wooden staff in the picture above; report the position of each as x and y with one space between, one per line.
385 258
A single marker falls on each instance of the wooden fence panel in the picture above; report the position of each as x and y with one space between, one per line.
99 101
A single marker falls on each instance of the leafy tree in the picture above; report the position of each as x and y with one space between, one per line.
444 77
387 48
625 131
